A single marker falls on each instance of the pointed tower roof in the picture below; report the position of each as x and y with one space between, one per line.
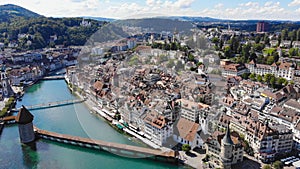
274 64
24 116
252 62
227 139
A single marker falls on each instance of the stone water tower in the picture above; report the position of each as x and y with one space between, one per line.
226 149
24 120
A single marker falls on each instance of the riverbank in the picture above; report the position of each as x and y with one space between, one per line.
183 159
94 107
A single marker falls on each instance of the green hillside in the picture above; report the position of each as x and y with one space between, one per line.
9 12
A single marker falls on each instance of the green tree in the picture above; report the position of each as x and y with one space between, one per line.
186 147
191 57
258 47
267 40
284 34
267 78
267 166
277 165
286 83
259 78
281 81
245 75
270 60
246 52
257 39
227 52
292 35
253 56
133 60
260 59
294 52
272 81
174 46
215 40
276 56
298 35
221 44
234 44
252 76
199 63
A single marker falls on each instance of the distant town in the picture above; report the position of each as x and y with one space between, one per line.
229 97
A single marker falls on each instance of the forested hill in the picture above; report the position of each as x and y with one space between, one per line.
33 31
9 12
68 31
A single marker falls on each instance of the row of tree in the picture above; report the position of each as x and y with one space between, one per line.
293 35
269 79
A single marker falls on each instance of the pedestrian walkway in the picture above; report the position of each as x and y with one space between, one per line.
146 141
194 161
2 103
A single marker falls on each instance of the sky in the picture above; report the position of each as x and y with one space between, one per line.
121 9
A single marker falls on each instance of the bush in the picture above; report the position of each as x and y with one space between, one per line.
3 111
277 165
267 166
186 147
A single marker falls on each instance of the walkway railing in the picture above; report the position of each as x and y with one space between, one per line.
8 119
103 145
51 104
127 150
54 77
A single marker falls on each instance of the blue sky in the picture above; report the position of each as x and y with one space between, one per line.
224 9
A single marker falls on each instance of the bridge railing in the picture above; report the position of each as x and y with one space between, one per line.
117 146
51 104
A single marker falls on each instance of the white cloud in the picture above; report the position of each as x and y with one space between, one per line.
252 10
183 3
294 3
219 5
150 2
170 4
250 4
116 9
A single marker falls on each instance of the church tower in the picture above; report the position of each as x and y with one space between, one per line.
4 82
226 149
24 120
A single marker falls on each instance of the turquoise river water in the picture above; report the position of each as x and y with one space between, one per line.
73 120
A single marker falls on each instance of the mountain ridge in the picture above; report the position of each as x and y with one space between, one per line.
11 11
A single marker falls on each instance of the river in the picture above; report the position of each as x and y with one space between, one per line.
73 120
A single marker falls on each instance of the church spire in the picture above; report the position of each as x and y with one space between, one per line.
227 139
